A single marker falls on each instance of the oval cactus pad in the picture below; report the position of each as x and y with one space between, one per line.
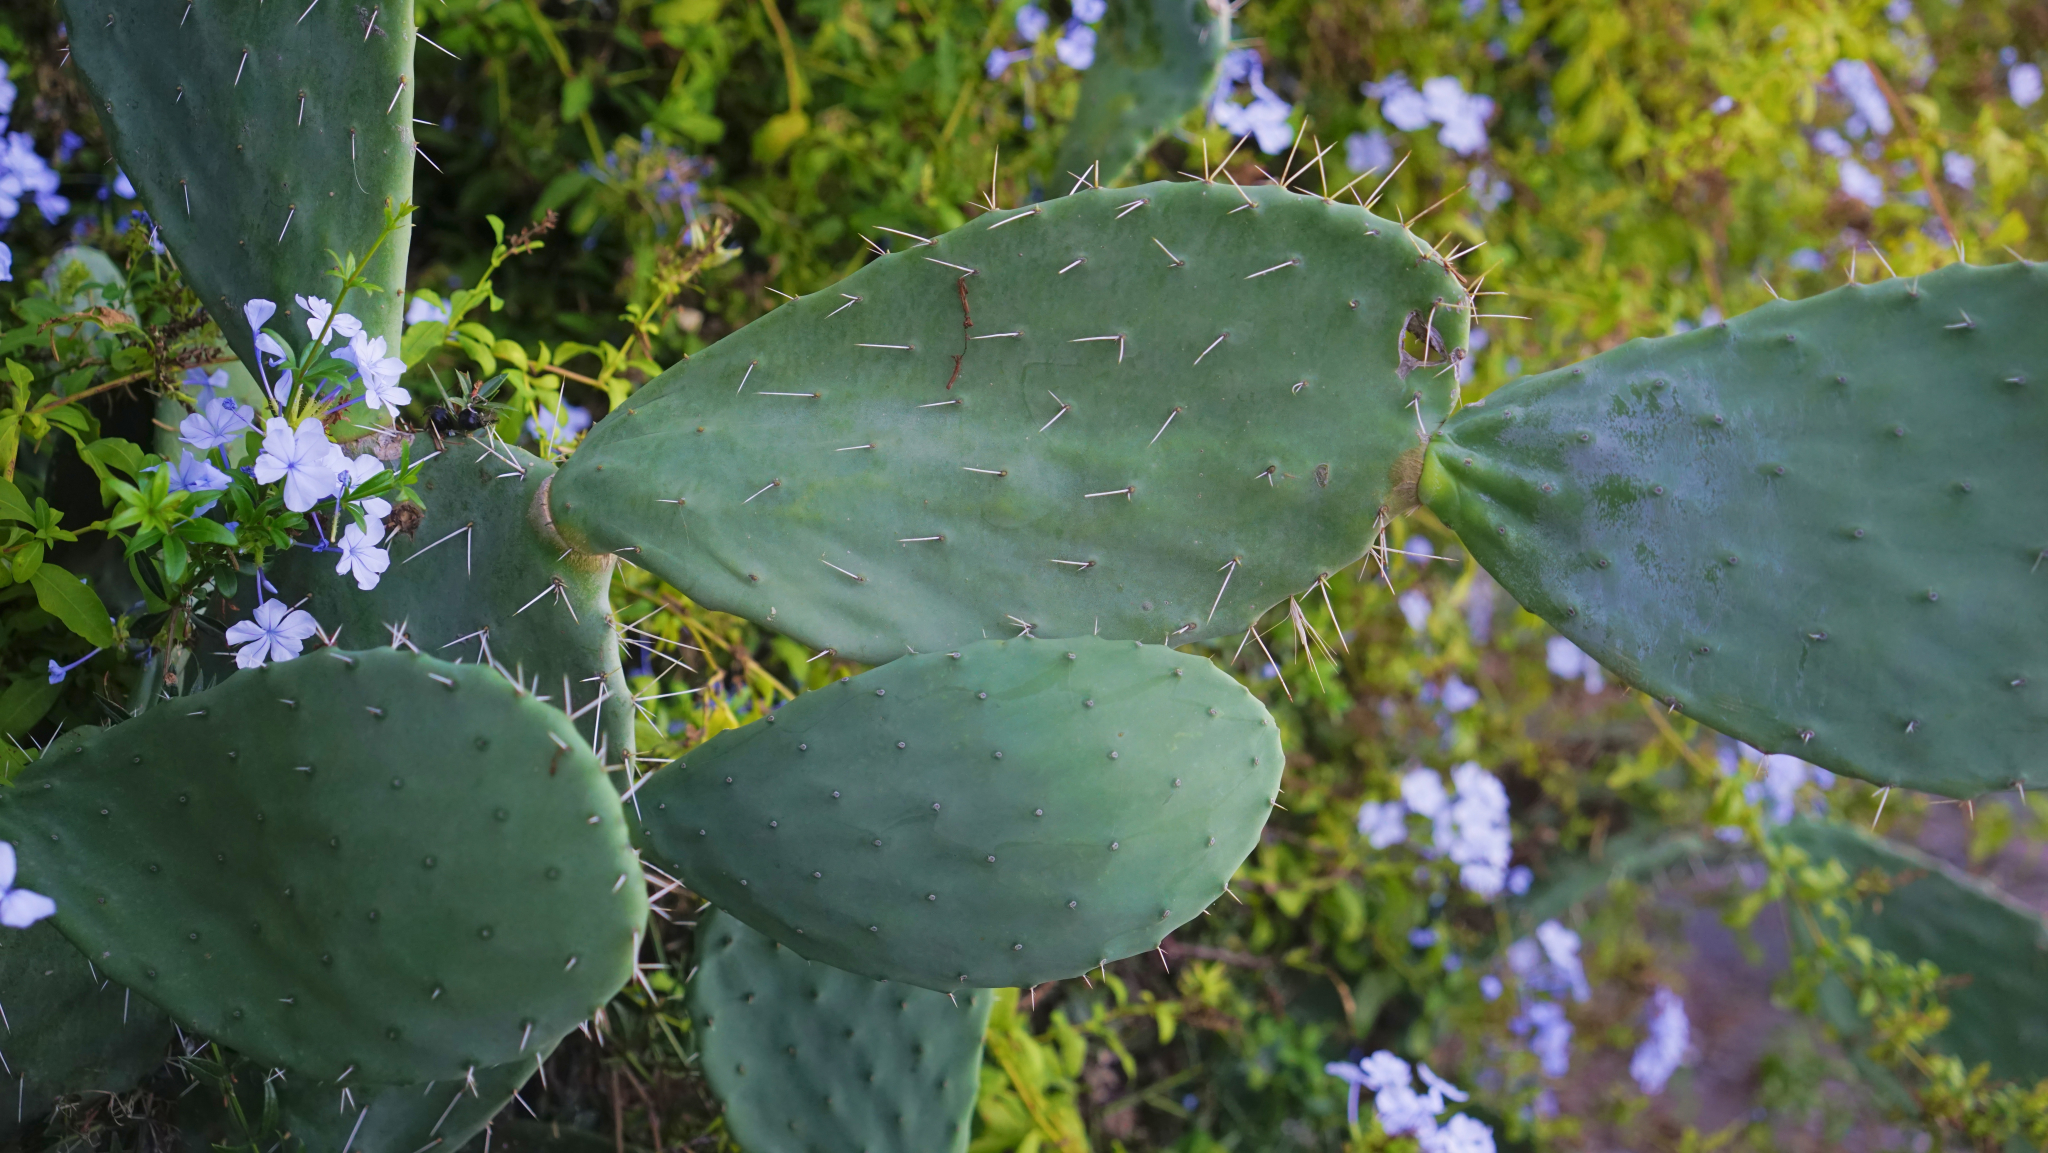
1016 812
1142 413
370 861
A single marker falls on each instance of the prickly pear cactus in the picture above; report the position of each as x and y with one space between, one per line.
1817 527
358 1116
806 1056
480 578
1155 60
1935 912
370 861
1015 812
1150 413
69 1029
263 140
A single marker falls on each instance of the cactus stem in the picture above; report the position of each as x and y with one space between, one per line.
1212 346
1133 206
898 347
1177 261
837 569
851 300
1290 263
776 483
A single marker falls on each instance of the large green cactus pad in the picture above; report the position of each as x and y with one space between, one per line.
263 140
1014 813
1155 60
464 598
808 1057
856 519
69 1029
371 860
1998 1011
1820 527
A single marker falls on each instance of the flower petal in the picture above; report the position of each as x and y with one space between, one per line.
20 908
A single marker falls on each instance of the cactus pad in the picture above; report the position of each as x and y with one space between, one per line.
806 1056
463 599
1998 1012
69 1030
1155 60
866 470
1015 812
263 140
1820 527
374 861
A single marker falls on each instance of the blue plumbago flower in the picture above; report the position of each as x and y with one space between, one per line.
1855 81
6 261
360 556
1404 1112
1367 151
1959 170
1032 22
1415 606
19 908
1490 987
2024 82
1567 661
1090 11
1265 117
205 385
1722 105
1457 695
302 457
1478 837
1076 46
59 672
318 310
1519 879
1550 1036
555 428
1422 938
24 176
380 372
221 420
1660 1055
1442 100
355 475
999 61
123 187
258 313
1860 183
422 309
1383 823
197 474
276 632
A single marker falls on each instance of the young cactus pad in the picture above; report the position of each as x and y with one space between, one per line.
481 578
1995 948
1015 812
806 1056
374 861
264 141
1155 60
68 1029
1150 413
1819 527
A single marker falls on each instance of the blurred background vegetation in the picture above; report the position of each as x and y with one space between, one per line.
1615 169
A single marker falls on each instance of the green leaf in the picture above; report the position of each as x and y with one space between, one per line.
27 561
13 505
114 452
24 702
420 339
72 601
200 530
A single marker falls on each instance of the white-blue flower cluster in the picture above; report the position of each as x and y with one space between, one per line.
1566 661
1547 968
1075 46
1441 100
25 178
2023 81
1263 117
1775 781
1468 825
19 908
1665 1049
1402 1112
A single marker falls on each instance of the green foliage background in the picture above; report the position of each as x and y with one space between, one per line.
1616 202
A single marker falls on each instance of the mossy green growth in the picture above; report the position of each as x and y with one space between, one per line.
371 861
1155 61
1819 527
1993 947
264 141
1011 813
807 1057
481 578
69 1029
1147 413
